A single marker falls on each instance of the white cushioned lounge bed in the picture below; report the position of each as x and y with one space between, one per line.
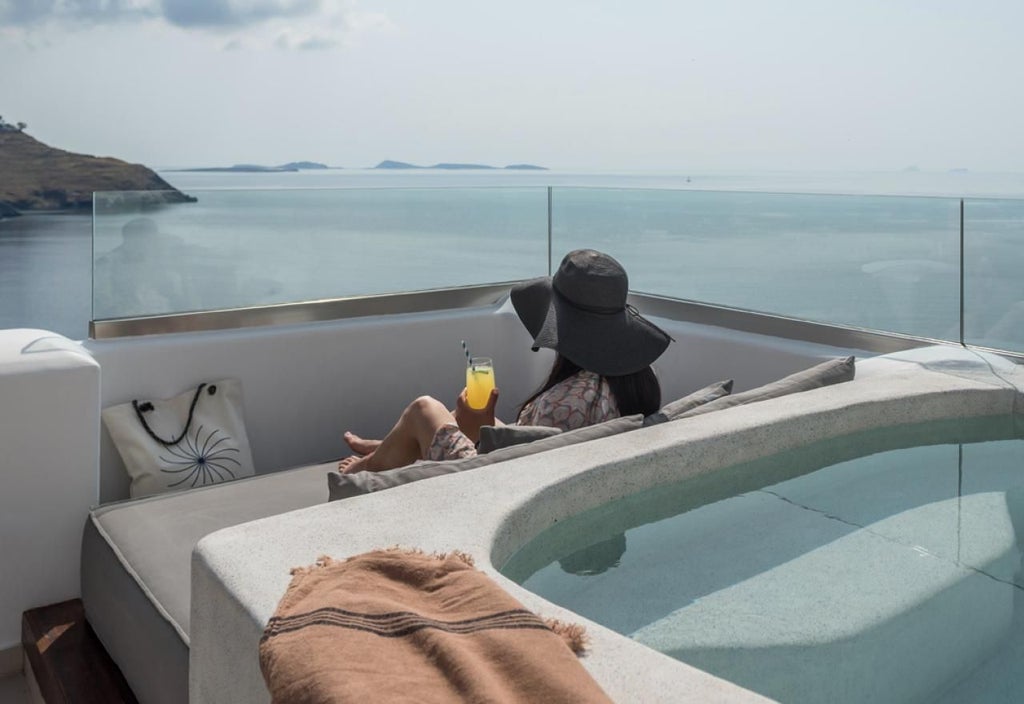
136 554
136 559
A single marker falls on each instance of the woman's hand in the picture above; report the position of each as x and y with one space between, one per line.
470 419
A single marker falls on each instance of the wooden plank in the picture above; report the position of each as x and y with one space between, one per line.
69 662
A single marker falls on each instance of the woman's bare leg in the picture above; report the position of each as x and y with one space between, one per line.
407 441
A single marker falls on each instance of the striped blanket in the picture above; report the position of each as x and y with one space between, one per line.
403 626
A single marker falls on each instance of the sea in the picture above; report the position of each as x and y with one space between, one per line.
878 250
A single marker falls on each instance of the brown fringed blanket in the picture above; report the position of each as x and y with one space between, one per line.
402 626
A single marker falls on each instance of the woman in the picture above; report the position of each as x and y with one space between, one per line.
602 369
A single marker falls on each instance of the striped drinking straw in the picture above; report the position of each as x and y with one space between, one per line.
469 360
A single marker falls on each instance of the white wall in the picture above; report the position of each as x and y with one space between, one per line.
702 354
49 449
305 384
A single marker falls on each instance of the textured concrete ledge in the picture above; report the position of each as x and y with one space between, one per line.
240 573
49 439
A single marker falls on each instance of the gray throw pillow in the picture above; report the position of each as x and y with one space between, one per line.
495 437
342 486
833 371
673 410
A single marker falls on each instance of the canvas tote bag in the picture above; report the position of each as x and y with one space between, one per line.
195 439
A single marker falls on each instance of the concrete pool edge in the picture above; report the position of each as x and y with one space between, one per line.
240 573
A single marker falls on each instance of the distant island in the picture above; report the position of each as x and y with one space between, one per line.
313 165
387 164
37 177
257 169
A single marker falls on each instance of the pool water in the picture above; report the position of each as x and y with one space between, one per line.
878 567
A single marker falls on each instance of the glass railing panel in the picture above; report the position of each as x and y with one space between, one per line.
993 275
238 248
878 262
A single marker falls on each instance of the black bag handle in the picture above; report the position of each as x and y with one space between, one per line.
146 406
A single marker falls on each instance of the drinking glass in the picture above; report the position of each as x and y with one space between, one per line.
479 381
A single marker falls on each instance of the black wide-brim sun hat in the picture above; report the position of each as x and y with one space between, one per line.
581 313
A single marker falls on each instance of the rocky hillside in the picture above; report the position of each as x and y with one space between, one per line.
34 176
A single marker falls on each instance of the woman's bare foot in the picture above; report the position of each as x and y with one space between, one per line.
361 445
353 464
405 443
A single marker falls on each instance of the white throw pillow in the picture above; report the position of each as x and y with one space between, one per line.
194 439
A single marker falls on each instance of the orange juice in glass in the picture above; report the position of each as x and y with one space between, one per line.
479 381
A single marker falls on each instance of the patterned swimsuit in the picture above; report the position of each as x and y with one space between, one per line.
582 399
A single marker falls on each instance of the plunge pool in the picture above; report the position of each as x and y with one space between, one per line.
880 566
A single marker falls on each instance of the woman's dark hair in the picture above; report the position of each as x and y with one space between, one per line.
638 392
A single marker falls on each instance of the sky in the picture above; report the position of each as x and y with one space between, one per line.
596 85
